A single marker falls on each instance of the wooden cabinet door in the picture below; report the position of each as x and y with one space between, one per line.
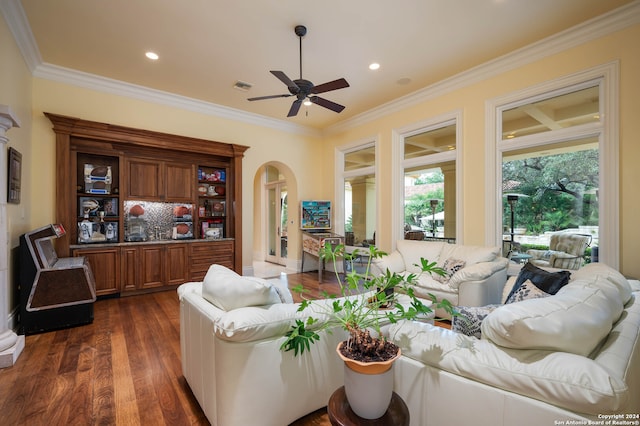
105 265
176 260
144 179
152 266
179 182
130 268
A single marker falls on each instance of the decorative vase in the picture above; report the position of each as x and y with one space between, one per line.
368 385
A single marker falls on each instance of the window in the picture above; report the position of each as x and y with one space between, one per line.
555 167
551 190
429 185
359 194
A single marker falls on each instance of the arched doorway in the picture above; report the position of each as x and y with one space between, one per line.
277 215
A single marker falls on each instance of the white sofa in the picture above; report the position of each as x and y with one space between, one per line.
478 283
574 356
232 362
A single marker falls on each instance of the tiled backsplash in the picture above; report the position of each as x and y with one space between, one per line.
151 221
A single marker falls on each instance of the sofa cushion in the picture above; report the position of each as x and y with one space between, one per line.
574 382
394 262
477 272
413 250
590 270
575 320
525 291
227 290
549 282
252 323
470 254
469 319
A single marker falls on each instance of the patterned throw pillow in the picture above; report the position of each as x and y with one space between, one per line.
470 319
450 266
526 290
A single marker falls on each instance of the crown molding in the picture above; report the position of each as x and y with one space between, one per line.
116 87
595 28
18 24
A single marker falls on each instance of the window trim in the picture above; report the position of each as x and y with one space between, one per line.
339 219
399 164
606 130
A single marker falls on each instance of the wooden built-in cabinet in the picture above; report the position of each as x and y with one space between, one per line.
101 166
159 181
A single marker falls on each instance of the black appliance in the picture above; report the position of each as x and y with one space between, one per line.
54 292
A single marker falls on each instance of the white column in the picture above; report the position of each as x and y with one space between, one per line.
11 345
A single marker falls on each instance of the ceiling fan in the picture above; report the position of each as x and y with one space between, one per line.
302 89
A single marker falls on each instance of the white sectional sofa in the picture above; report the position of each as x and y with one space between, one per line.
571 358
574 356
478 282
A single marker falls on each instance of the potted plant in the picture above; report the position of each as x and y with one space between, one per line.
370 305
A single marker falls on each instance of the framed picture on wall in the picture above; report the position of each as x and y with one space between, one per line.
15 173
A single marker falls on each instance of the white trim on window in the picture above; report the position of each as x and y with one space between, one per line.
399 164
607 77
339 220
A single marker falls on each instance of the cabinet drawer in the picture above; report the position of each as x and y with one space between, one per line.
203 255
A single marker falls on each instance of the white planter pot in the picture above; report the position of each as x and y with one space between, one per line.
368 385
369 395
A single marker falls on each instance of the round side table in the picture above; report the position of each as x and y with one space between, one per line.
340 413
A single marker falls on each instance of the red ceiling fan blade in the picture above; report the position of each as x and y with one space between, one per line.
326 103
340 83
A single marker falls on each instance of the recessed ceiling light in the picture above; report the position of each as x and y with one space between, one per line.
374 66
152 55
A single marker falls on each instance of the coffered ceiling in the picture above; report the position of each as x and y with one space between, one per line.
206 46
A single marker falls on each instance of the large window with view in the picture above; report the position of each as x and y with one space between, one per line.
429 164
359 195
551 178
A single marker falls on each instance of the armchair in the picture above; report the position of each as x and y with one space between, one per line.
566 251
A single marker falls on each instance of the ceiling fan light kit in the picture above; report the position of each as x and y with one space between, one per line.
303 89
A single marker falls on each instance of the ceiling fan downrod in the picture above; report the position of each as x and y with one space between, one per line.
300 31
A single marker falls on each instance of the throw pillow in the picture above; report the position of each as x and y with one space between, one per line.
549 282
526 290
506 290
227 290
450 266
470 318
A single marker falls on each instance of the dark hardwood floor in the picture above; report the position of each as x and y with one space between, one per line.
123 369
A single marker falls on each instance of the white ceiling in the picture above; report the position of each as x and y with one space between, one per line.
205 46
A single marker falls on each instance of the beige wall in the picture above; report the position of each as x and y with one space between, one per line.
621 46
15 92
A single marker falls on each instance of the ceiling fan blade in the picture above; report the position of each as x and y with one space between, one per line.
295 107
259 98
283 78
326 103
340 83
